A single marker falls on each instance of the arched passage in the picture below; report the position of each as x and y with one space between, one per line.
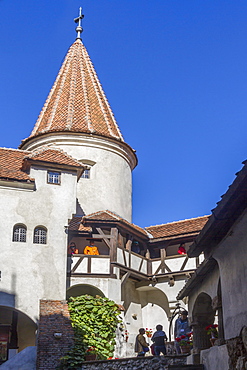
155 307
17 331
202 316
82 289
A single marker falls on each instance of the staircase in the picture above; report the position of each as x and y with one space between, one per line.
188 367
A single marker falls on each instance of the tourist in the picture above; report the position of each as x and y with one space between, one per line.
182 327
141 346
91 249
181 249
159 338
72 249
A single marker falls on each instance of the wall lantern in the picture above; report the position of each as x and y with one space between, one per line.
58 335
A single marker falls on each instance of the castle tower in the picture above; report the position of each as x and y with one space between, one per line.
77 118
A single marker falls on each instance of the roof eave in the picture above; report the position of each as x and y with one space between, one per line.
28 162
198 276
119 223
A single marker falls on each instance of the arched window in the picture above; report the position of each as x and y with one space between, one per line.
40 235
19 233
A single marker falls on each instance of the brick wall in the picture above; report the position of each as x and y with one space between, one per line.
54 318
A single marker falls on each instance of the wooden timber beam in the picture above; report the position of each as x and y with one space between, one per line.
113 247
125 278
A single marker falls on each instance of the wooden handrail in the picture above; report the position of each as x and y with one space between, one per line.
91 256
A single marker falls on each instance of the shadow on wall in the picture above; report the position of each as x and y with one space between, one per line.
82 289
17 330
144 295
7 299
55 336
202 315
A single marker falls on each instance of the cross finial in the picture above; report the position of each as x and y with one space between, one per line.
79 28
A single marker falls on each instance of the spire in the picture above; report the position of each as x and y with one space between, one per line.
79 28
76 102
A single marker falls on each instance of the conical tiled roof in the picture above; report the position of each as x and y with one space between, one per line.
77 102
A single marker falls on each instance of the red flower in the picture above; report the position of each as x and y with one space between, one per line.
177 339
212 326
183 336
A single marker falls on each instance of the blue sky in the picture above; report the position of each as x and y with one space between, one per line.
174 72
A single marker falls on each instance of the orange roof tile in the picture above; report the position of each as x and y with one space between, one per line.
76 225
58 156
178 228
77 102
111 216
11 161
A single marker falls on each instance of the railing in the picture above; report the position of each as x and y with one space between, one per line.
130 261
87 264
173 264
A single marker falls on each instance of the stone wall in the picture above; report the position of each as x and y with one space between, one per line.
149 362
54 318
237 350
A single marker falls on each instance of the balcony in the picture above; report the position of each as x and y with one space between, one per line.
125 261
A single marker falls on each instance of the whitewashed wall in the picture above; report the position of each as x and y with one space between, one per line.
30 272
110 185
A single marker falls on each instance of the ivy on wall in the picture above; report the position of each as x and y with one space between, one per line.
94 320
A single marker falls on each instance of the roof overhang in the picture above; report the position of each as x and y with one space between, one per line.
28 162
197 278
115 223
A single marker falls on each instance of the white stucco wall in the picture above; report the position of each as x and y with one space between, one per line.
110 183
30 272
208 286
231 257
215 358
111 288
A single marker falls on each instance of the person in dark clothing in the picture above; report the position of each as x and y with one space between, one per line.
159 339
182 327
141 346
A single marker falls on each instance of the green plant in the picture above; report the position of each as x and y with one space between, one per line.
95 321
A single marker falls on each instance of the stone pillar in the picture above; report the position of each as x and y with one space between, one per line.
200 336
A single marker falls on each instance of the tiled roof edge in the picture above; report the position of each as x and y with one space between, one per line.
179 221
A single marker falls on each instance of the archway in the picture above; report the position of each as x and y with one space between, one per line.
202 316
82 289
155 307
17 331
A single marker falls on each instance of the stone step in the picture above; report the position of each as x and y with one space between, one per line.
188 367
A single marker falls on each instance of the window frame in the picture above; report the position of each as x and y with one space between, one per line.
88 172
20 235
40 236
49 172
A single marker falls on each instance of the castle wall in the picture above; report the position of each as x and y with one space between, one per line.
110 183
231 257
29 271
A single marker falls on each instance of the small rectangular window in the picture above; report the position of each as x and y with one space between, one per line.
86 174
53 177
